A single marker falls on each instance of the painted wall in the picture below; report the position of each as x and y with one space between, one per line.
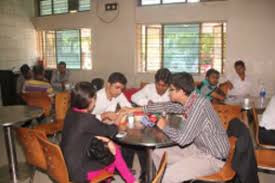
251 36
17 34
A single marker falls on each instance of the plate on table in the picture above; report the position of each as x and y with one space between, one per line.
121 134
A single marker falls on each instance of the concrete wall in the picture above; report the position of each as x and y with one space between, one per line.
250 30
17 34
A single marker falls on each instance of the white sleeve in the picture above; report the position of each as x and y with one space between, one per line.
123 101
140 97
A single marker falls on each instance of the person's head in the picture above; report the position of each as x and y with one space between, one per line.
162 80
240 67
116 84
38 72
97 83
213 76
26 71
62 67
182 85
83 96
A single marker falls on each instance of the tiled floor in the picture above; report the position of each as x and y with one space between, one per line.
43 178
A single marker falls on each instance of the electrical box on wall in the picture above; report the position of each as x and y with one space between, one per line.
111 6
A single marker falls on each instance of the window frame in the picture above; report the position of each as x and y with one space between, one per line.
44 43
186 2
52 8
139 47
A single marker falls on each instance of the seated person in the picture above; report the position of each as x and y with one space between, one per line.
38 83
111 96
267 124
79 127
154 92
60 77
98 83
208 87
26 74
239 82
202 141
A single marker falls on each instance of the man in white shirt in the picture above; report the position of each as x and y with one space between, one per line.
267 124
154 92
60 77
239 83
109 97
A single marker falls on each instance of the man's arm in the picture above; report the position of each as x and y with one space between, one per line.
191 128
168 107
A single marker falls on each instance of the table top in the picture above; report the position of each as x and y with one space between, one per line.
11 115
149 137
239 100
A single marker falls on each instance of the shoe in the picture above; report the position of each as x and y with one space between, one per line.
142 178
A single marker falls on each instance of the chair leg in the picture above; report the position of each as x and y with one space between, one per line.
32 176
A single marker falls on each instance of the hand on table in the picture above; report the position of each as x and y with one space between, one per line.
162 122
111 116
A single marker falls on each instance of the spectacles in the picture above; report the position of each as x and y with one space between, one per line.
172 89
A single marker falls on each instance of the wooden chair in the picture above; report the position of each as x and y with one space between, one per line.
226 173
227 113
256 130
265 154
56 167
224 87
62 101
38 99
161 169
33 152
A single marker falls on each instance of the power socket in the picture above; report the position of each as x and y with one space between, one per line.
111 6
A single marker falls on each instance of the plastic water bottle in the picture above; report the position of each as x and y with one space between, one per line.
262 96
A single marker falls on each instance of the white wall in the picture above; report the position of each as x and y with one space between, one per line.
251 35
17 34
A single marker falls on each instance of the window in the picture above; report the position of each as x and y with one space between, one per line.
70 46
153 2
193 48
50 7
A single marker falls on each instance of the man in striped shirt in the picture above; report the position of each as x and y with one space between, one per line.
203 144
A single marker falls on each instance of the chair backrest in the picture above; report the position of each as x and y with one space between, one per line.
33 151
38 99
224 87
226 173
62 101
56 167
227 112
161 169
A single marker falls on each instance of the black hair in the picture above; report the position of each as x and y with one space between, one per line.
38 70
24 69
239 63
97 83
183 81
117 77
62 63
81 94
212 71
163 75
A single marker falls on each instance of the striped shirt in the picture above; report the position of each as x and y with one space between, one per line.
201 125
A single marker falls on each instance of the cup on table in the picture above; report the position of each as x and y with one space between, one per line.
67 86
246 103
131 120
